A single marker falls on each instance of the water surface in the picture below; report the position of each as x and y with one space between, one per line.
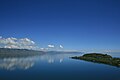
56 66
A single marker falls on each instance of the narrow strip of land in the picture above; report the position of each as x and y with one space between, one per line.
99 58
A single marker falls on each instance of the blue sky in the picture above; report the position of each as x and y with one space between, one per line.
75 24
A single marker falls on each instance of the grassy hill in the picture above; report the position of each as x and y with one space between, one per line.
99 58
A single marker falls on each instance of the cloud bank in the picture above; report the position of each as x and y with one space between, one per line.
22 43
25 43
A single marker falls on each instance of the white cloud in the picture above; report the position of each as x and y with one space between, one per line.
61 46
23 43
42 48
51 46
11 46
26 41
0 36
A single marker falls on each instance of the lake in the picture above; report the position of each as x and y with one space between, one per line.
56 66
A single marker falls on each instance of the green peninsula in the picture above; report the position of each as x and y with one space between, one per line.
99 58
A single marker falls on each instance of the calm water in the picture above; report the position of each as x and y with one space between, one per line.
56 67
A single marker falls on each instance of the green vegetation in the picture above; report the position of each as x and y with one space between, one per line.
5 52
99 58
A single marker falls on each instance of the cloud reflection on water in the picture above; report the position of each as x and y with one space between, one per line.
16 63
25 63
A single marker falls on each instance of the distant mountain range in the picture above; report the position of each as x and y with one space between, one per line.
6 52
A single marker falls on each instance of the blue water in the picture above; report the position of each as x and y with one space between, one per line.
56 67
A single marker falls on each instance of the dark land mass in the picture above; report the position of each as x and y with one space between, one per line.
6 53
99 58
